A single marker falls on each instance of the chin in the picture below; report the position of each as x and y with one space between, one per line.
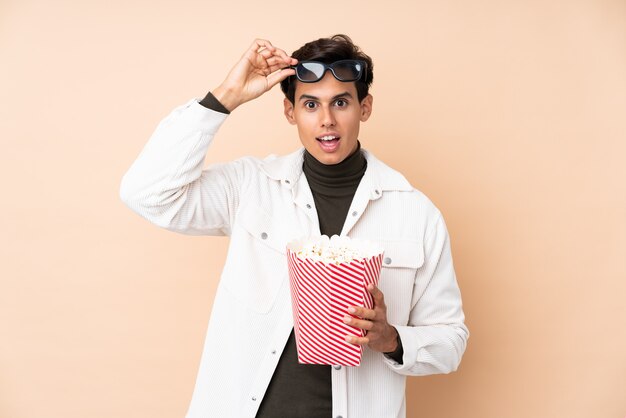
330 159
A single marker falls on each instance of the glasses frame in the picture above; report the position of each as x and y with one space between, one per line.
362 72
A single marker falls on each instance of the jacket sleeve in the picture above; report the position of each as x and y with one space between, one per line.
167 184
435 337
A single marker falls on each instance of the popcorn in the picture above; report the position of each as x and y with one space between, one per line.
334 250
327 276
329 254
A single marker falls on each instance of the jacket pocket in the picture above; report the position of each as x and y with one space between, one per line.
256 265
401 260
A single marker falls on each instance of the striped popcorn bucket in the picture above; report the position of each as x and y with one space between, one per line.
321 293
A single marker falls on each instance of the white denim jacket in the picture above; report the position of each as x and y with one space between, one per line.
264 203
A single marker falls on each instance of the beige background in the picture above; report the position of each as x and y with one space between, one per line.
510 115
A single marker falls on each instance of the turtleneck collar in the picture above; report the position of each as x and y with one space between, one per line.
338 179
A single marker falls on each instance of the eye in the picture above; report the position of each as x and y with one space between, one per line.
310 105
341 103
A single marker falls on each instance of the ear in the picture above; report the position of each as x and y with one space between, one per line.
366 107
289 111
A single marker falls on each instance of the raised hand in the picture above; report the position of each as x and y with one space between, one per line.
260 68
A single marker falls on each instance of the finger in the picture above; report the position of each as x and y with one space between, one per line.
276 63
285 60
282 54
278 76
362 312
379 298
357 340
358 323
266 53
271 62
257 44
275 68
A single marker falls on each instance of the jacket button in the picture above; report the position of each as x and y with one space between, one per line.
387 260
337 367
377 192
254 398
287 181
264 235
308 206
355 213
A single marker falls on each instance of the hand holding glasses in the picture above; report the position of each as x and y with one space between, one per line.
260 68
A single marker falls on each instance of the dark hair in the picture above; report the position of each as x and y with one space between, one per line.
329 50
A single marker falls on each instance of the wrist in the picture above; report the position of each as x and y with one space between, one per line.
226 97
393 341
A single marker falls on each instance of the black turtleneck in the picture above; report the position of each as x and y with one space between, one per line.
333 187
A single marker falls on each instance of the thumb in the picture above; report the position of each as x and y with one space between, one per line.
278 76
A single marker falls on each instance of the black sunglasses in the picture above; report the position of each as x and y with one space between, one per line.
344 70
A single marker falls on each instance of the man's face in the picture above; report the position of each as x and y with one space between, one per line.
328 115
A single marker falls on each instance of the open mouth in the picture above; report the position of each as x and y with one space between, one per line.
328 143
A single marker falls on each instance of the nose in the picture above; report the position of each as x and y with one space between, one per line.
328 118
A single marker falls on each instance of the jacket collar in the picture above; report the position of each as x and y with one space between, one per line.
288 169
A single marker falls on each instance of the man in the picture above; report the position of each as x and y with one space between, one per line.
249 366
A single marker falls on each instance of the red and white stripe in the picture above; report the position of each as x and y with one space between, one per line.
321 294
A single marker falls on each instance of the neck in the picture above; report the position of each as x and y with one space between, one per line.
336 179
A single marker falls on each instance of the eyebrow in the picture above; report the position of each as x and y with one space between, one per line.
338 96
